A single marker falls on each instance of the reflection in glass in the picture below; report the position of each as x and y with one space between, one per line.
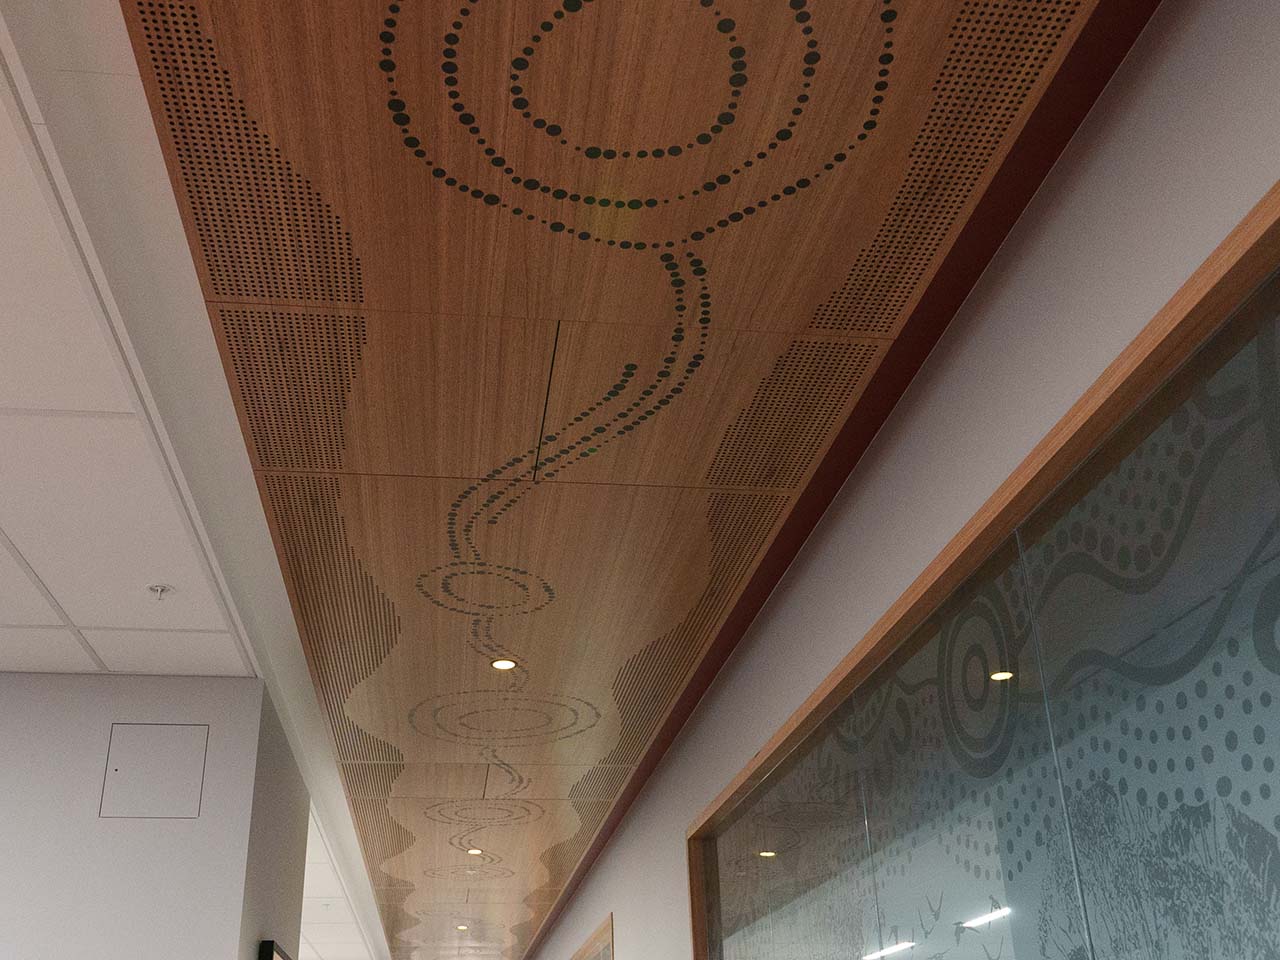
1155 578
794 878
969 845
1137 615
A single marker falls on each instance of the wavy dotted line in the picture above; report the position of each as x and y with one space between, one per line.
651 400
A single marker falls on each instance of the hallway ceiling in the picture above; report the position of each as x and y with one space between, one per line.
552 328
89 516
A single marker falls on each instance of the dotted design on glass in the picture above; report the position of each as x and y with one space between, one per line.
1130 527
776 437
997 55
1162 672
294 373
264 232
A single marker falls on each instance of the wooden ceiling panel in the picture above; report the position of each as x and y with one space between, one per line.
552 326
747 408
294 376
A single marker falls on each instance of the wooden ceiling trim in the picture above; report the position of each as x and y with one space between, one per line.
378 319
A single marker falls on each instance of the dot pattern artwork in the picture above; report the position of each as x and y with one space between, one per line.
400 212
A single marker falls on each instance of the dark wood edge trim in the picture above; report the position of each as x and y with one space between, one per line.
270 950
592 943
1087 67
699 863
1249 254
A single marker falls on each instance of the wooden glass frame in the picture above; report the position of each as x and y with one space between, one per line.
599 945
1248 255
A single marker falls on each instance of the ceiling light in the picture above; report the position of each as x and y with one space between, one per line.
462 926
988 917
503 664
1001 675
475 851
887 951
768 854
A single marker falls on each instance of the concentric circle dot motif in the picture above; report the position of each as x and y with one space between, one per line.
500 717
509 184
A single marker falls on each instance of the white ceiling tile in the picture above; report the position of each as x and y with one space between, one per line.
321 880
344 951
87 505
21 602
107 143
307 952
90 35
42 650
326 910
168 653
56 354
318 934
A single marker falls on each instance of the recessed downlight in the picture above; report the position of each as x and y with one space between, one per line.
986 918
768 854
890 951
1000 676
503 664
462 926
475 851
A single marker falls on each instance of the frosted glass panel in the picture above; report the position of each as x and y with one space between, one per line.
1156 583
964 804
1075 757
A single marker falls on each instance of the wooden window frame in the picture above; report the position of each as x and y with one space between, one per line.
1243 261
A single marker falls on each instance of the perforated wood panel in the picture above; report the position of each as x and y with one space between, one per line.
540 321
294 373
263 232
775 439
999 50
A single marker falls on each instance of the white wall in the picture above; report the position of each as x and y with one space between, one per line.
277 859
1184 141
78 887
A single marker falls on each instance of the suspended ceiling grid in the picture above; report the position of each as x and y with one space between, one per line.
539 319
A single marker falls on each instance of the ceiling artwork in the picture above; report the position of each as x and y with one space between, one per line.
539 318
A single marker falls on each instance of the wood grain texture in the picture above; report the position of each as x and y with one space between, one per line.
551 333
599 945
1249 255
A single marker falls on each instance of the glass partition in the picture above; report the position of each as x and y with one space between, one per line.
1074 757
1155 580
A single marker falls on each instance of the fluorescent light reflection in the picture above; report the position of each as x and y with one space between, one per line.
988 917
889 951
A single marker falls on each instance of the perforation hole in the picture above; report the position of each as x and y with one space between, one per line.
773 442
294 373
263 232
998 53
